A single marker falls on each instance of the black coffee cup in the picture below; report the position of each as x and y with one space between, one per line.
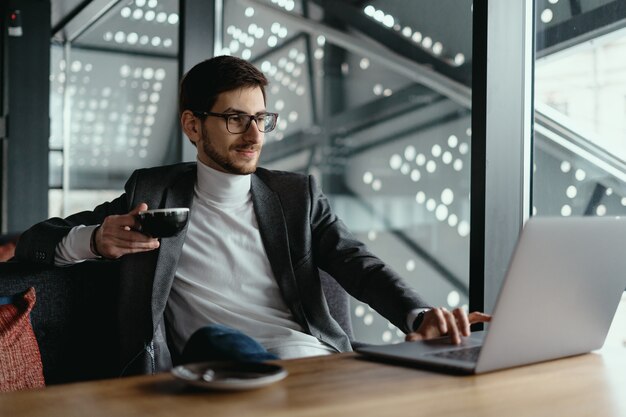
165 222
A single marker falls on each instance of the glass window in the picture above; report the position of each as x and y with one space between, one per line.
580 128
113 103
364 103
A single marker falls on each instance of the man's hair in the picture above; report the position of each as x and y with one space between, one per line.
201 86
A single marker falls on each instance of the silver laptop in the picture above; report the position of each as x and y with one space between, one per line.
561 291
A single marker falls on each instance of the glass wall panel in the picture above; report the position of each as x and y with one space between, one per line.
580 104
113 103
580 109
361 93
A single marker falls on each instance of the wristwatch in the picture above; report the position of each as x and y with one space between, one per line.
419 319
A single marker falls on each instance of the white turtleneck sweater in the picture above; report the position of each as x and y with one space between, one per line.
223 274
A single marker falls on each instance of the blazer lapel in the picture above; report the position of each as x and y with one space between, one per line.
178 194
273 230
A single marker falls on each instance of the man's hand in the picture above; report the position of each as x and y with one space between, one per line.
118 235
440 322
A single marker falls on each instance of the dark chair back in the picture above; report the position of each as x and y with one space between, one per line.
75 316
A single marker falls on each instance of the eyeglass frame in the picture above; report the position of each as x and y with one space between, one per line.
227 116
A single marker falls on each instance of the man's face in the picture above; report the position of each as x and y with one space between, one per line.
235 153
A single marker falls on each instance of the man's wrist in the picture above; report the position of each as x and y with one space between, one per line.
93 246
419 318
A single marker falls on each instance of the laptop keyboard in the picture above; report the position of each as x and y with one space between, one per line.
469 354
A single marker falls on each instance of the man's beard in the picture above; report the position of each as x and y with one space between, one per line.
223 160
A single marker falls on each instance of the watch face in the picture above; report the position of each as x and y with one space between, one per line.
418 320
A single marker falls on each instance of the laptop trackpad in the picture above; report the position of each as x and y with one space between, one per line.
425 352
475 339
412 350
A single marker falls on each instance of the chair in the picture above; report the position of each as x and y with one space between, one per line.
74 318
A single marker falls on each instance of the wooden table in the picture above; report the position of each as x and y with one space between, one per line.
346 385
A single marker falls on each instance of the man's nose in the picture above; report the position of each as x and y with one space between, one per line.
253 134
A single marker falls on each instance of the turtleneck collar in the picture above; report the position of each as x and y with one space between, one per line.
221 187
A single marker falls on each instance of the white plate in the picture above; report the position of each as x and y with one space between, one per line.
229 375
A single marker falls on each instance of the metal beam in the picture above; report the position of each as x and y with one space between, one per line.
599 191
28 110
582 27
378 111
88 14
555 129
508 138
4 111
289 146
109 50
393 41
364 117
415 247
197 41
68 17
197 36
574 6
423 122
478 160
376 52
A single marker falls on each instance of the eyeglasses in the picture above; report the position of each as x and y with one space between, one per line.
240 122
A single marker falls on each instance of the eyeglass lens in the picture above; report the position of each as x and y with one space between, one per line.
241 122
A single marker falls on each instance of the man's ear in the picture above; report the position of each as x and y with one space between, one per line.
190 125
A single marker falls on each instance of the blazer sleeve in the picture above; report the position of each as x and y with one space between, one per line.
362 274
38 243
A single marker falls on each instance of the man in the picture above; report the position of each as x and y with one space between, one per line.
249 256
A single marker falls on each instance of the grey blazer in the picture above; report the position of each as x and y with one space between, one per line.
300 234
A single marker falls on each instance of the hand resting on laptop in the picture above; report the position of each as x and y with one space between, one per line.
441 322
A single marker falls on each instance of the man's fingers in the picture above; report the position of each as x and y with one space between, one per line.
125 221
453 330
130 220
135 244
138 208
462 321
114 248
117 237
137 249
478 317
413 337
441 320
130 239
